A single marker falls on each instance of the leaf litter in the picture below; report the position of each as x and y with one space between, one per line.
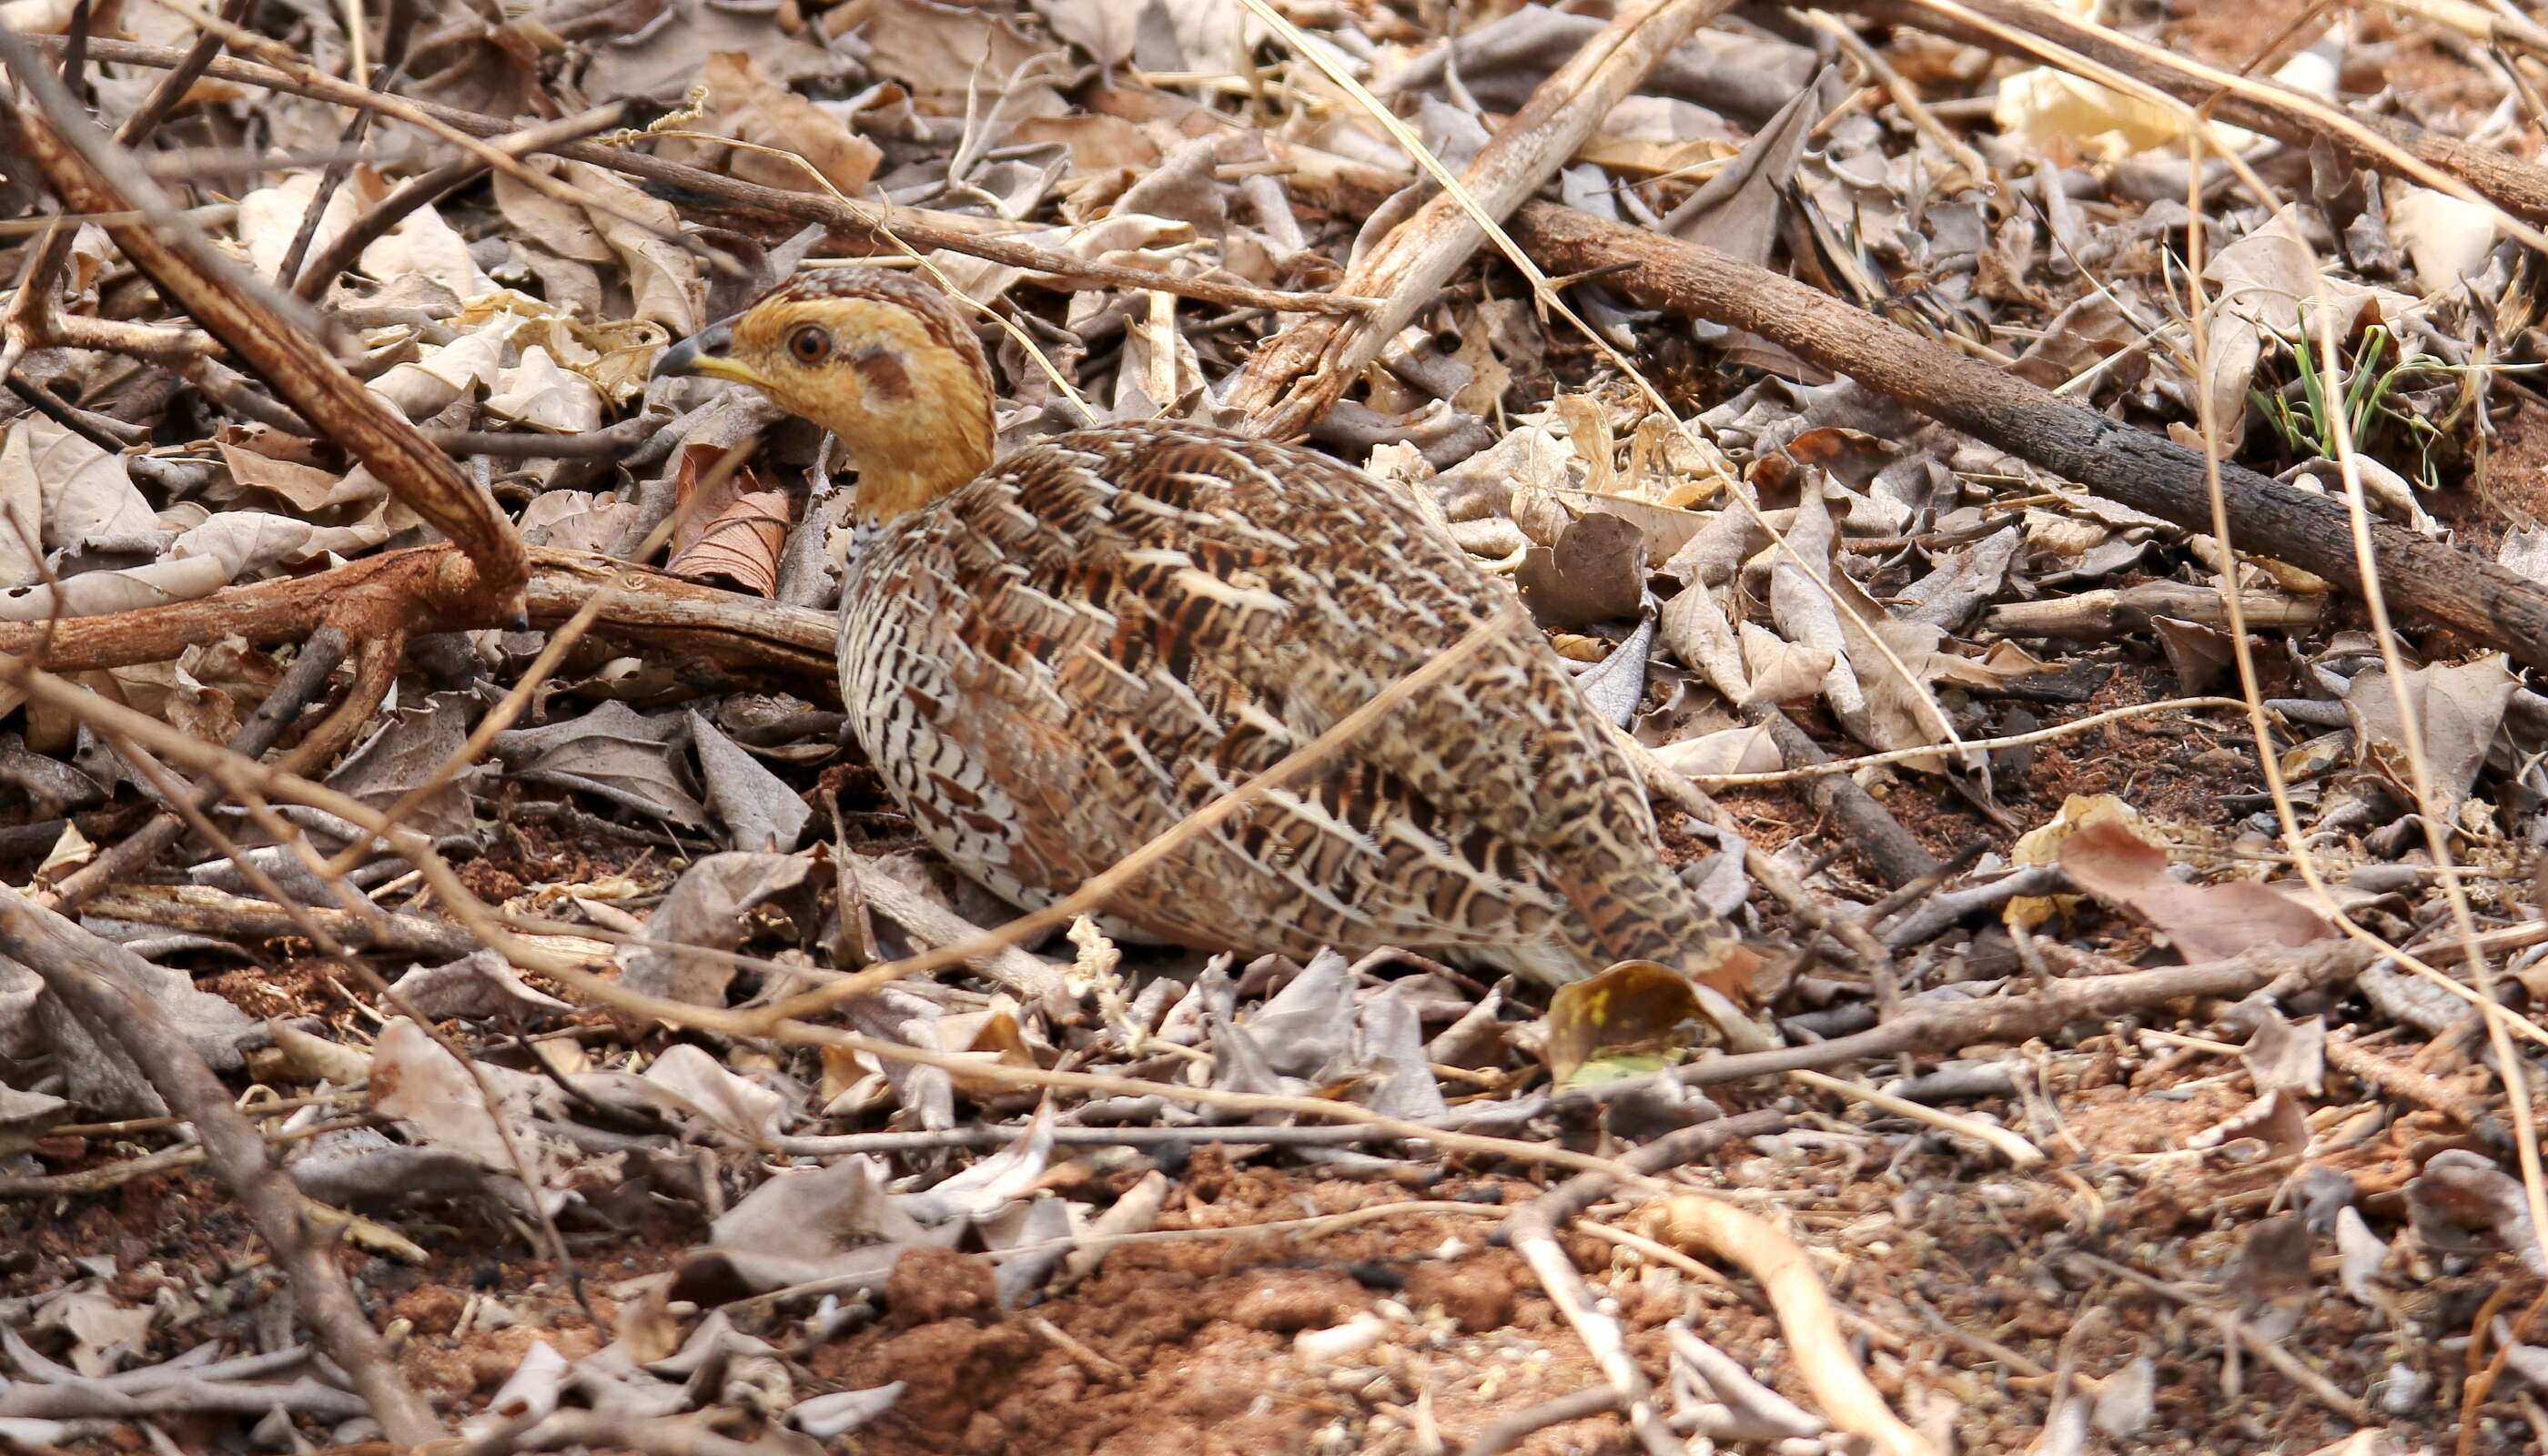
2287 1215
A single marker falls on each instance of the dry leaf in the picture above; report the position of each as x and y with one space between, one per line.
731 527
2205 922
744 103
1596 573
1616 1023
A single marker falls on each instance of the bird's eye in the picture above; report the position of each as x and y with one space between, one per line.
810 346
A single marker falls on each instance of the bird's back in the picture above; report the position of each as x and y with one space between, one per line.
1110 628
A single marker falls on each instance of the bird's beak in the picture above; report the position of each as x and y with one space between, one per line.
705 353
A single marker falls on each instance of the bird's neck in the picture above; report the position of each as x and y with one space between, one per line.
896 481
921 454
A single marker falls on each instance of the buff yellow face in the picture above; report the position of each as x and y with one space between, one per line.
884 361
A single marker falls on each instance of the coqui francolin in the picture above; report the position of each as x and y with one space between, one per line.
1054 657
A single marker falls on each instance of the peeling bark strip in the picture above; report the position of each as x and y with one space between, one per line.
1308 367
102 983
2434 581
80 171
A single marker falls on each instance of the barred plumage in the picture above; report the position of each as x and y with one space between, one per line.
1052 659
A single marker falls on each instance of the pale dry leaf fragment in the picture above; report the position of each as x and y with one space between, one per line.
420 245
614 751
530 1392
2363 1253
705 1092
657 49
539 391
941 53
314 1059
2126 1402
576 520
443 1104
2446 238
28 1116
668 283
22 509
2277 1118
410 747
104 1330
558 225
2285 1054
102 1078
1105 29
1746 749
2459 708
443 373
710 907
307 488
2205 922
2462 1201
2270 285
1801 606
1697 631
1962 580
1595 573
1781 671
842 1412
759 809
88 498
825 1223
482 984
1737 210
2524 552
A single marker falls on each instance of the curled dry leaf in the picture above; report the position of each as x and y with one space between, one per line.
728 526
1595 573
2462 1200
2277 1118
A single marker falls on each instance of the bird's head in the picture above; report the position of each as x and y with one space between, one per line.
883 360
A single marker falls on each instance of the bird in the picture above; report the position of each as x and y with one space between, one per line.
1051 657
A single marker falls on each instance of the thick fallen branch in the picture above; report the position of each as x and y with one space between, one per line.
1308 367
102 983
2144 471
708 631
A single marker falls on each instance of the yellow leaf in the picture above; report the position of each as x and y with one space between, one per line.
1635 1006
2042 845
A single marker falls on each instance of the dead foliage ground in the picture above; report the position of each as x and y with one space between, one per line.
2287 1221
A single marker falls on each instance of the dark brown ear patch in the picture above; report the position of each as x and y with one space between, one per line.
881 370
